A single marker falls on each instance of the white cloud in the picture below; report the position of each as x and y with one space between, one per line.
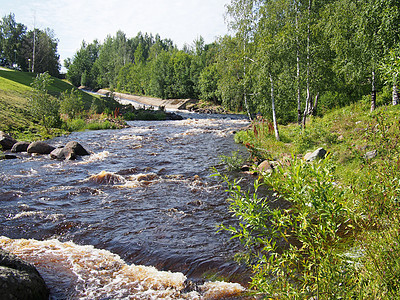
183 21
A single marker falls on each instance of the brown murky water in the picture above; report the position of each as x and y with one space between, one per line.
143 198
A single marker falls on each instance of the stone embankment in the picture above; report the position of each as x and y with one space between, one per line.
170 104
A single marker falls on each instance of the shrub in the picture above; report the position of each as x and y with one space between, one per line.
233 162
43 106
71 103
294 248
76 125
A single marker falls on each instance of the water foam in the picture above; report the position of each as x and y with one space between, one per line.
94 157
95 274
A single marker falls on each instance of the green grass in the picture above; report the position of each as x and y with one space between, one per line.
15 89
343 223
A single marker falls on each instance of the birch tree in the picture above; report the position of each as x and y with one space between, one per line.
242 17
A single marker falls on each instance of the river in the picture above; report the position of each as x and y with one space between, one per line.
136 219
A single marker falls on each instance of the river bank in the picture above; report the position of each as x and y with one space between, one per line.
337 234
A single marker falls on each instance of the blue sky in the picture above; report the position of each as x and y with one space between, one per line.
183 21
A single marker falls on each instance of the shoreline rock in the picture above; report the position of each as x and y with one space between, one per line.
6 141
20 147
19 279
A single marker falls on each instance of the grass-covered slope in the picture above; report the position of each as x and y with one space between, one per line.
15 90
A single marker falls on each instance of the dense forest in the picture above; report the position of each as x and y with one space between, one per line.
304 54
308 56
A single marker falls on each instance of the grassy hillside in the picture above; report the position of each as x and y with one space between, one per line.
15 89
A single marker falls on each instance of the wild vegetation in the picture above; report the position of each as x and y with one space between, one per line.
306 56
41 107
329 228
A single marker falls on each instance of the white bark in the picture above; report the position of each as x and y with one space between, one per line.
373 93
273 109
395 95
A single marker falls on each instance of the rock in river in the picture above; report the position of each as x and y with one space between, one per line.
20 280
40 148
77 148
20 147
63 153
6 141
69 152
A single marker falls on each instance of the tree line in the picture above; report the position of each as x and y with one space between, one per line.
34 50
283 58
302 54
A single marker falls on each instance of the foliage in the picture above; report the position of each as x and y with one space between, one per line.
81 69
16 116
321 211
295 248
81 125
17 46
43 106
234 162
71 103
145 115
11 37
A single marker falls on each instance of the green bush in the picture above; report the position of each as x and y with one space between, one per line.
42 105
294 247
234 162
71 103
101 125
76 125
146 115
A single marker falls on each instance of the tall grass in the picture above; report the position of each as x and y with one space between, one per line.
80 125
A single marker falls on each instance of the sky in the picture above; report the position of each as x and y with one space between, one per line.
73 21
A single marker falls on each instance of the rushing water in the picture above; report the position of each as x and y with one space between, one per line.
144 197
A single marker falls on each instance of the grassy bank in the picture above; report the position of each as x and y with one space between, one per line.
15 117
331 229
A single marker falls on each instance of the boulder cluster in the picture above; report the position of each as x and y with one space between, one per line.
68 152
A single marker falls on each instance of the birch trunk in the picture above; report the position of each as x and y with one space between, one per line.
244 78
395 95
273 109
373 93
308 65
298 68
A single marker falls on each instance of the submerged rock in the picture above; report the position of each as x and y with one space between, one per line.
20 280
40 148
106 178
6 141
